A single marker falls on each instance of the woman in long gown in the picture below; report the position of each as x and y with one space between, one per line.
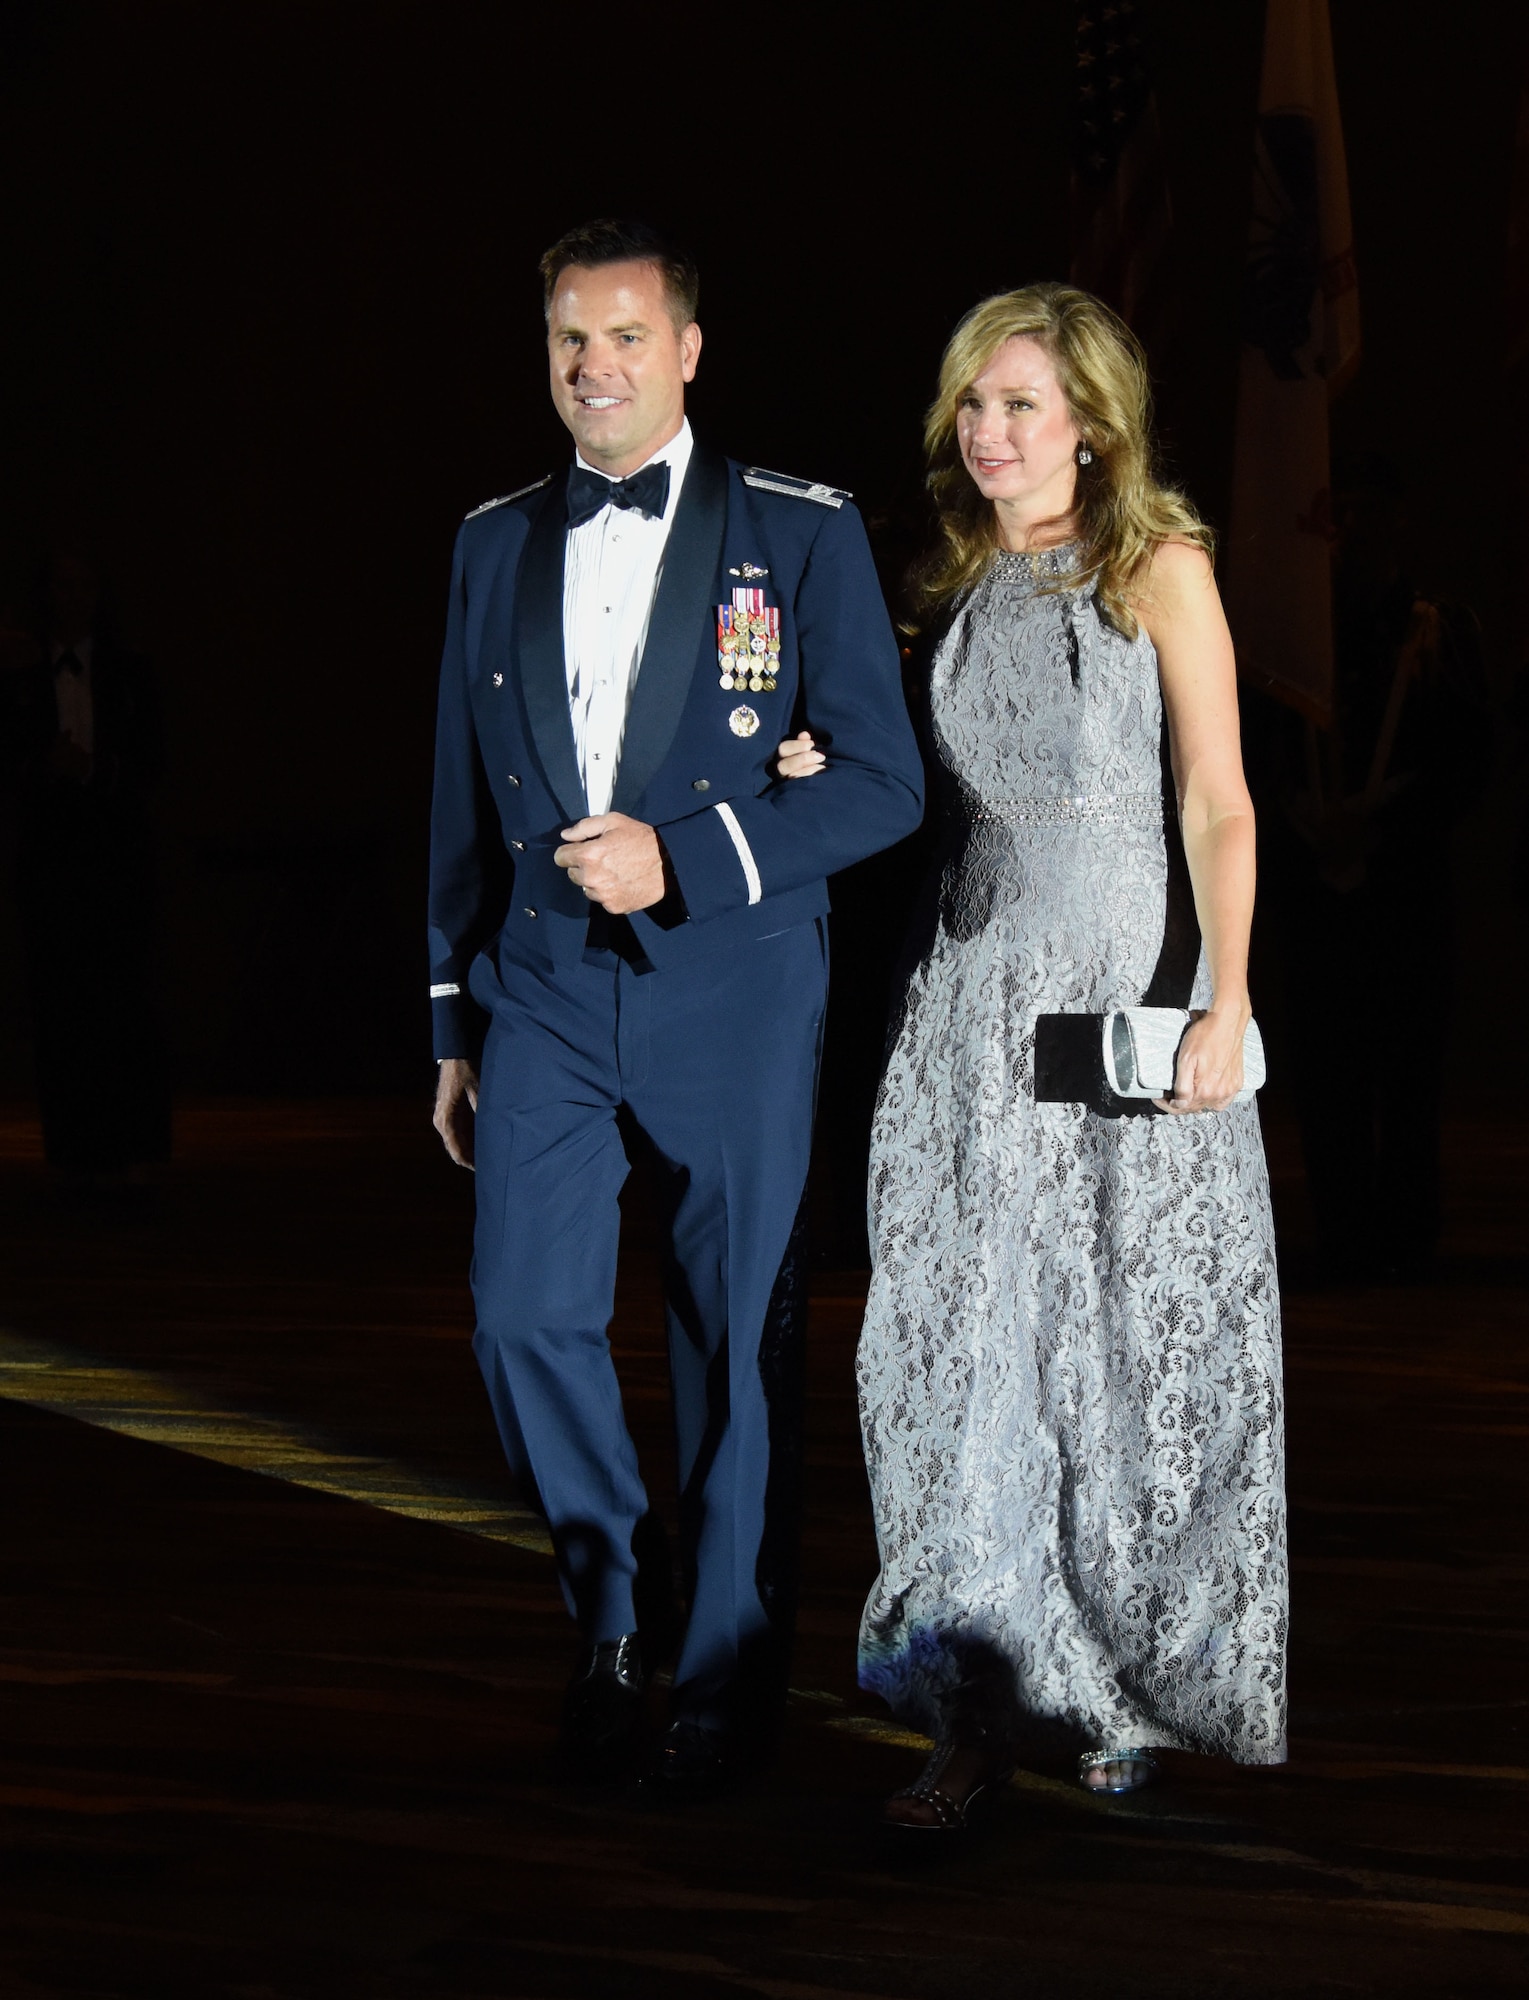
1069 1369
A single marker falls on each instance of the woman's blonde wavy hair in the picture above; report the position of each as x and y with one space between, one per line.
1121 511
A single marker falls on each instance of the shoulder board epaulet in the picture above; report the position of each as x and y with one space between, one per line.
505 498
798 489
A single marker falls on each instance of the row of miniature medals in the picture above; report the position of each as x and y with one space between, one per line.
748 642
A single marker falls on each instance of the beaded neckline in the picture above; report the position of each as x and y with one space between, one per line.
1058 561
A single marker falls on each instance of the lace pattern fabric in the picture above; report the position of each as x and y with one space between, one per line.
1070 1368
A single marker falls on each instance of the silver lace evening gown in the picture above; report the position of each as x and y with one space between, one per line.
1070 1366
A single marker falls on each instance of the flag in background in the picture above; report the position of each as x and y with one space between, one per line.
1516 352
1300 344
1517 289
1121 212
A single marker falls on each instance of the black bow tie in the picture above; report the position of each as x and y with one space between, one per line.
646 492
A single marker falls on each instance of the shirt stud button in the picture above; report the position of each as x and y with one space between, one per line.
700 784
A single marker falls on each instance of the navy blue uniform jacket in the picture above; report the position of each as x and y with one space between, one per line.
507 779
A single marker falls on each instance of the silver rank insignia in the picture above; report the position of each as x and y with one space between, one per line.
748 643
505 498
795 489
743 722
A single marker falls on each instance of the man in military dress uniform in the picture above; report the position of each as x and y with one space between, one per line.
627 915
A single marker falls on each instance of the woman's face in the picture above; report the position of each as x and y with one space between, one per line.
1017 436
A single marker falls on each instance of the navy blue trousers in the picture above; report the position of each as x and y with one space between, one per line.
716 1064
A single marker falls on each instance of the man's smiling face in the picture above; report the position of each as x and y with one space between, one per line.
619 365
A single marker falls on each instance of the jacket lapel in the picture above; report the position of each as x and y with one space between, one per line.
682 614
538 650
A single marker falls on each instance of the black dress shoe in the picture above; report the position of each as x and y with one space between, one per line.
695 1760
602 1709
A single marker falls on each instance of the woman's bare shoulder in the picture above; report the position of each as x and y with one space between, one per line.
1176 582
1177 568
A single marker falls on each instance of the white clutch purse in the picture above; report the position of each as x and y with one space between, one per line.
1141 1047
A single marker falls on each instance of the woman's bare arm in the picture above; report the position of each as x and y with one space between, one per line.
1180 608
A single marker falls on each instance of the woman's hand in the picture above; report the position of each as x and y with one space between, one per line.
800 758
1208 1073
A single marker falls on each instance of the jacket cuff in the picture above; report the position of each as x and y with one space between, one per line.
457 1021
714 867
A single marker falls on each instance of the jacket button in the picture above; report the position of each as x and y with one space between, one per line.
511 779
499 680
530 913
700 784
519 846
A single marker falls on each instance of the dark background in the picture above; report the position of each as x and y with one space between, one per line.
272 325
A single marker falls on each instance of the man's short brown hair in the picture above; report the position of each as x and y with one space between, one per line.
611 241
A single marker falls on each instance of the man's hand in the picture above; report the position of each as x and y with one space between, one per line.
456 1104
616 861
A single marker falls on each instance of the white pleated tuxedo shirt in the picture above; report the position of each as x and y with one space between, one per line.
611 573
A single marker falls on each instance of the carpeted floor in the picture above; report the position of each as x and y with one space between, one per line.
281 1650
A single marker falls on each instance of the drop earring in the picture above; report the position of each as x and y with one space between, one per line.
1085 456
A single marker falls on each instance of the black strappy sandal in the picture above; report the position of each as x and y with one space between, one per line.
947 1809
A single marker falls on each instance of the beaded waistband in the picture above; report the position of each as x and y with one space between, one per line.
1101 809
